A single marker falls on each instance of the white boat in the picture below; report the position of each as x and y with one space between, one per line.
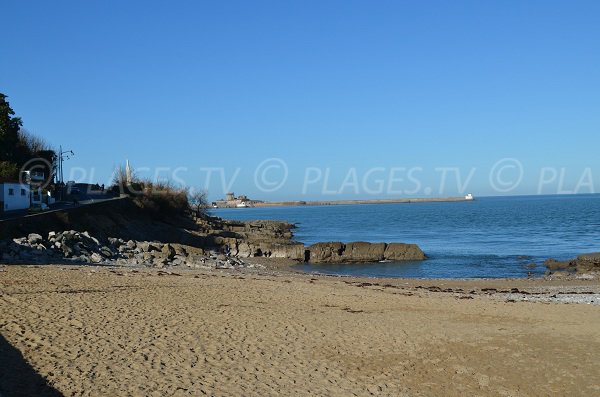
469 197
243 204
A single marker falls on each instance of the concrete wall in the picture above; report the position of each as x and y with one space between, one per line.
18 200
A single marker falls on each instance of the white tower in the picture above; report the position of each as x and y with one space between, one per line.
128 173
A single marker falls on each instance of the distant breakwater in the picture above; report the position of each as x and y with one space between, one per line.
352 202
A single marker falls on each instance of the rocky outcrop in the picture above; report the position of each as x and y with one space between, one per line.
274 239
336 252
584 263
270 239
124 234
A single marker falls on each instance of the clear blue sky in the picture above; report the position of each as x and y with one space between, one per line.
328 84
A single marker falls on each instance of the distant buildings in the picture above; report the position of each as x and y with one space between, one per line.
24 194
14 196
231 201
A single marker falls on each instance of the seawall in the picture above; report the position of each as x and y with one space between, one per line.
352 202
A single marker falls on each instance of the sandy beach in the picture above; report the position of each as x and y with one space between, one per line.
98 331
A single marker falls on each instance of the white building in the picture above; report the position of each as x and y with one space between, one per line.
14 196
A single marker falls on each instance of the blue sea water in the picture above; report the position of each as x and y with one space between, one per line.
488 237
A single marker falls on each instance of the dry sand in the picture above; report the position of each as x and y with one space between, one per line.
113 332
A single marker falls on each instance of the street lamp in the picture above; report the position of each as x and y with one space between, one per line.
63 155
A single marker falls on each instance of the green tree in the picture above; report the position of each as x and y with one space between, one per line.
9 130
8 170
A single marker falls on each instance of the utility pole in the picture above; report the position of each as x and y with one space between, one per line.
62 155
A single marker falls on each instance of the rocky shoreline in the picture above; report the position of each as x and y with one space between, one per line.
274 239
229 244
121 234
220 244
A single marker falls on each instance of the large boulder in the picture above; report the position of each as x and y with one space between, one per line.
288 251
244 249
363 252
168 251
34 238
403 252
357 252
330 252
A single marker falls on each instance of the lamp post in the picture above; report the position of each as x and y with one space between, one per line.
62 155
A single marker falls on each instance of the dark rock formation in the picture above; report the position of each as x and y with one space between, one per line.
336 252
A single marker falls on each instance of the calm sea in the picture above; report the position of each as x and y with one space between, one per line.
488 237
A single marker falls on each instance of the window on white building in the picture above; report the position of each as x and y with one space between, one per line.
11 192
23 193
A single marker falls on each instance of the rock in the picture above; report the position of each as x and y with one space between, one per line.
554 265
92 239
147 256
293 251
326 252
179 250
34 238
177 262
131 244
160 262
152 247
588 262
67 251
582 264
106 252
223 265
363 252
20 241
168 251
336 252
96 258
403 252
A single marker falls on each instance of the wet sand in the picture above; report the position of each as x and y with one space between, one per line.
90 331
